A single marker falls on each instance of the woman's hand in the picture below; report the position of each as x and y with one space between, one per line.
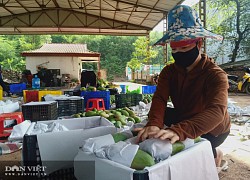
144 133
164 134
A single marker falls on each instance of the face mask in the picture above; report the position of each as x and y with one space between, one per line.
185 59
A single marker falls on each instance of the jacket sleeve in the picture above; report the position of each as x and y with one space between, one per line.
215 109
160 98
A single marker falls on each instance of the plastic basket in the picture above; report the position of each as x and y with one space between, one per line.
141 175
43 93
105 95
31 157
70 106
127 100
148 89
71 93
113 91
40 112
29 96
135 99
122 100
17 88
12 119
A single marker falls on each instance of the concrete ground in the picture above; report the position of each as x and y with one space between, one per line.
236 147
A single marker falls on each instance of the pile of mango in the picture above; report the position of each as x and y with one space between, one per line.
102 83
147 98
119 117
112 99
89 88
92 88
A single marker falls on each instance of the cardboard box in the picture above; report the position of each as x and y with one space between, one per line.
195 163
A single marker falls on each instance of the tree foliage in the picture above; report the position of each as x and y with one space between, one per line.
142 53
115 51
11 47
230 18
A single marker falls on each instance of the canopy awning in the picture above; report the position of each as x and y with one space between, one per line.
111 17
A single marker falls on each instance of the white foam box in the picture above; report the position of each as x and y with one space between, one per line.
53 147
195 163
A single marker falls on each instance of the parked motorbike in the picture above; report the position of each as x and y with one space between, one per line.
243 85
233 85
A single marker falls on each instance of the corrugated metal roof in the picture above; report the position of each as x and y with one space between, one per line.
61 48
118 17
74 50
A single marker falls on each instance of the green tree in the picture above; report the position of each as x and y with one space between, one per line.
142 54
115 51
230 18
7 53
159 59
12 45
62 38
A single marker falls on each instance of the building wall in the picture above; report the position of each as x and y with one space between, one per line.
67 65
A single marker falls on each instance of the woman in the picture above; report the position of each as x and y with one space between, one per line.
197 87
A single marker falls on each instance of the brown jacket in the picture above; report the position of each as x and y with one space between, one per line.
199 96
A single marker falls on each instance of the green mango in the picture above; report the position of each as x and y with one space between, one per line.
91 113
198 139
177 147
82 114
137 119
119 137
131 113
122 119
131 119
101 89
103 114
142 160
118 124
124 112
76 116
113 121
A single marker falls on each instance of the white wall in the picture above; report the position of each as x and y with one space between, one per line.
67 65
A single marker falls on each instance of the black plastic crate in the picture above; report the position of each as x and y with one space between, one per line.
122 100
141 175
113 91
135 99
126 100
70 93
40 112
31 157
68 107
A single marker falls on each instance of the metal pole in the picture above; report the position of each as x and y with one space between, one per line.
202 12
148 47
165 28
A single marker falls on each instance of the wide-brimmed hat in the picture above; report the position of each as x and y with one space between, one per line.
183 24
